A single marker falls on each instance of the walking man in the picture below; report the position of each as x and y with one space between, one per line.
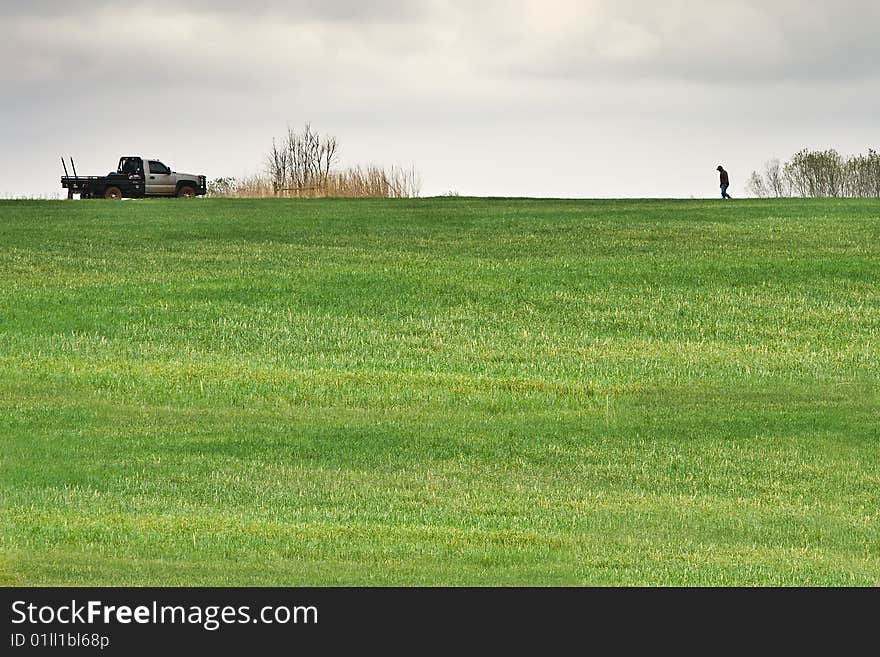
725 182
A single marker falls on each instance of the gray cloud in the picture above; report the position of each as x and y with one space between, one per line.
344 11
545 79
565 39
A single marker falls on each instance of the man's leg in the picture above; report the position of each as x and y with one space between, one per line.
724 193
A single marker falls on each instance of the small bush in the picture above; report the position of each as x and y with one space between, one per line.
819 174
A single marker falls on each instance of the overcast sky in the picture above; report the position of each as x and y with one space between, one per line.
576 98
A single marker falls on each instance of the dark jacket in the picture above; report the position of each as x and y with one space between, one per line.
724 179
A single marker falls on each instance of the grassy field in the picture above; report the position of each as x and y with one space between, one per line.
440 391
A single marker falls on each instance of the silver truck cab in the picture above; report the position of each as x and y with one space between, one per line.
160 180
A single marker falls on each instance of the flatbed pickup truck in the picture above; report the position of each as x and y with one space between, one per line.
135 177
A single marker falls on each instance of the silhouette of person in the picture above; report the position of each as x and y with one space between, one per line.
725 182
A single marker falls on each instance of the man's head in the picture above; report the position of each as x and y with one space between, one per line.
720 168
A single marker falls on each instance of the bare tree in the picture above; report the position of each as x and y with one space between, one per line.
773 183
861 175
816 174
278 167
775 180
304 164
311 157
873 166
756 186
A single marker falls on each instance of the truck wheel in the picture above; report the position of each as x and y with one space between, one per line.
186 191
113 193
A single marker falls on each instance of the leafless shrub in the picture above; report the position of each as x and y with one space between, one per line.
820 174
278 166
774 179
862 175
246 187
816 174
756 186
221 186
302 161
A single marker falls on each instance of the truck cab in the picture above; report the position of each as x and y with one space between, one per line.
159 179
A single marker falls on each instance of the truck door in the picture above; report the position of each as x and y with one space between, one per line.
160 182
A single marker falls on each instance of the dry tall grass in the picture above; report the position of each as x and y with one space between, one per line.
353 182
372 182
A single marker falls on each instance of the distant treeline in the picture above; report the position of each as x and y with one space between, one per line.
819 174
304 165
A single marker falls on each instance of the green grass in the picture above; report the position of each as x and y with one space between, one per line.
440 391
